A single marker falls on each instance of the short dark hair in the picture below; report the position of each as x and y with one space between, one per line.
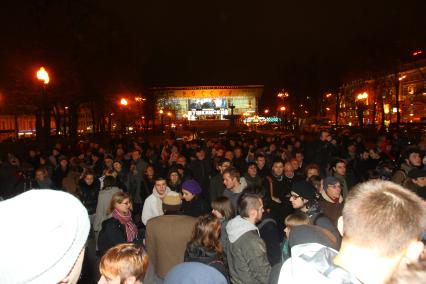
233 172
109 181
248 202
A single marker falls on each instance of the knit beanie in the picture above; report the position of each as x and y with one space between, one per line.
43 233
304 189
192 186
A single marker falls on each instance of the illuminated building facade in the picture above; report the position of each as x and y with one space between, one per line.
376 100
207 102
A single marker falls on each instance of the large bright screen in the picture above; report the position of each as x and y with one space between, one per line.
207 103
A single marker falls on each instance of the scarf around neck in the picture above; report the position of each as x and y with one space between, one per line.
126 220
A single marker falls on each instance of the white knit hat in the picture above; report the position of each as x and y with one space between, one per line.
42 235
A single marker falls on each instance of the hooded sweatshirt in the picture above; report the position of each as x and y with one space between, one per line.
313 263
153 206
246 253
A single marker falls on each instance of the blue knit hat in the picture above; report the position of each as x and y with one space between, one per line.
192 186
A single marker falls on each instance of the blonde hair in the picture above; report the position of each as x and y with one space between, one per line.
296 219
118 197
124 260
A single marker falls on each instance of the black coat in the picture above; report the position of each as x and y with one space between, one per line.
196 207
112 234
89 195
211 258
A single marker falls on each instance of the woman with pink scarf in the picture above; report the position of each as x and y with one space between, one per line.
119 228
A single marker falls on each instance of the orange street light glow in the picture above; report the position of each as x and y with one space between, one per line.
266 111
282 108
161 111
328 95
402 78
362 96
169 114
123 102
42 75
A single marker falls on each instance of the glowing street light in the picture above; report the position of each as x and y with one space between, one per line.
266 111
362 96
43 76
402 77
283 94
282 108
328 95
169 114
123 102
161 111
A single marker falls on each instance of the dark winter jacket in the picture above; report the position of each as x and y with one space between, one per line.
112 234
196 207
89 195
209 257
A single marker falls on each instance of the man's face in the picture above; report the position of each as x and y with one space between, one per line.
260 161
288 169
229 155
174 177
135 155
160 187
414 160
117 167
299 157
201 155
229 181
334 190
238 153
252 170
260 211
278 168
89 179
108 162
39 175
340 168
296 201
324 136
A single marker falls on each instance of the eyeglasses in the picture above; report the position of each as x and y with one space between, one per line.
294 196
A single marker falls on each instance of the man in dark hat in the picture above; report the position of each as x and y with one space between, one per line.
331 200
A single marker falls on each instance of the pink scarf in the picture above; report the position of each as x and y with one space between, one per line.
126 220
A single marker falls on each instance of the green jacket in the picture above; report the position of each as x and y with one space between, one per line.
246 253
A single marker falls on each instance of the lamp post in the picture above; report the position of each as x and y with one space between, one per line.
161 120
44 126
282 109
232 107
361 103
123 104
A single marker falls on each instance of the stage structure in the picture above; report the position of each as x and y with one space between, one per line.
196 103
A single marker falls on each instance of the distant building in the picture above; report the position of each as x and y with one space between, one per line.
376 97
196 103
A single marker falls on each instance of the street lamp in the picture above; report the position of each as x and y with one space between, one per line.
43 76
266 111
161 119
124 102
361 102
282 109
43 128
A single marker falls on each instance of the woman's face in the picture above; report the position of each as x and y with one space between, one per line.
149 171
188 196
89 179
124 206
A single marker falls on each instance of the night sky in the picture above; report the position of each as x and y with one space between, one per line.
106 47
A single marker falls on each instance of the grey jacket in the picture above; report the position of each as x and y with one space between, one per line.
246 253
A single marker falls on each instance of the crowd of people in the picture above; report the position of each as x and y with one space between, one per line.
237 209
